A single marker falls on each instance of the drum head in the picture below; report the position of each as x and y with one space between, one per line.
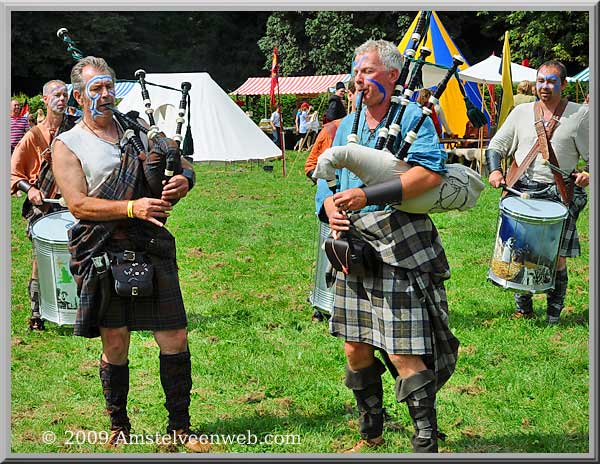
53 227
534 210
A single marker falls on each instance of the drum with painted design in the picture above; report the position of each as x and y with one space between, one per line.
527 244
58 290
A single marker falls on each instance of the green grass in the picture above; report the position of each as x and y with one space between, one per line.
246 244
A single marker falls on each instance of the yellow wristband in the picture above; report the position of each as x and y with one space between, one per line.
130 209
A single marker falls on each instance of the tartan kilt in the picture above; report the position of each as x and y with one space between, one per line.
398 311
164 310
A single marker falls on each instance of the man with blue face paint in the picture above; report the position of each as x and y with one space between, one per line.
31 173
119 219
400 306
570 143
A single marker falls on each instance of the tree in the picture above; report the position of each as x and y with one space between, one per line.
543 35
285 30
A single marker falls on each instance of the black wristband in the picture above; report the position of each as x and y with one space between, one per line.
492 158
24 186
190 175
387 192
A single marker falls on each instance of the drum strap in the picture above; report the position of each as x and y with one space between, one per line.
542 145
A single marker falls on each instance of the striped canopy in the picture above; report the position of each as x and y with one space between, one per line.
582 76
299 85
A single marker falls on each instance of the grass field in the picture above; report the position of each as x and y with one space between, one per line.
246 244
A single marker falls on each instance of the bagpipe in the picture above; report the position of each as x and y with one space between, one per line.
162 159
460 187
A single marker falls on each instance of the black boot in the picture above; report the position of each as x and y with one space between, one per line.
418 391
368 391
556 298
35 321
176 380
524 305
115 386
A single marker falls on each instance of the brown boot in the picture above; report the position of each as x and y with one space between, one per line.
366 443
118 436
191 442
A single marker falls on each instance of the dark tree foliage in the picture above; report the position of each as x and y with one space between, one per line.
235 45
223 44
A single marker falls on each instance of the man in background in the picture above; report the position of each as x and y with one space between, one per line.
19 124
336 108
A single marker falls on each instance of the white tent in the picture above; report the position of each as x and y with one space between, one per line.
220 129
486 72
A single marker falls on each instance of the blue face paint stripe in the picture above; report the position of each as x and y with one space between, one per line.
96 97
380 87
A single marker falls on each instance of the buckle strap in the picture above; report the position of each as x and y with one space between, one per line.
101 263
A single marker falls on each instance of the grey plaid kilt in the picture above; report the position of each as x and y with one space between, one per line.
401 307
569 245
164 310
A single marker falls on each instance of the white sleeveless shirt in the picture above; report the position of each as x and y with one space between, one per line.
98 157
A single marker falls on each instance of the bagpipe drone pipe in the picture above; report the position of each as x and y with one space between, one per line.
162 159
460 187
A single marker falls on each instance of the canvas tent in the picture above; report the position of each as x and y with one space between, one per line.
486 72
220 129
443 48
298 85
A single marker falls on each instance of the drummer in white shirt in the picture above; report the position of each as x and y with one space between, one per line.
570 143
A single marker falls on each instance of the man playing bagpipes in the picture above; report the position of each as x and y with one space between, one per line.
31 173
122 257
399 306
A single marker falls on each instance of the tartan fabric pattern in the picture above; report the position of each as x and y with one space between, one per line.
402 306
88 239
164 310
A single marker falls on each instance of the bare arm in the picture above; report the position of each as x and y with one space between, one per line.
70 179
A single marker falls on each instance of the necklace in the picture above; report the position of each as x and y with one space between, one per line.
112 142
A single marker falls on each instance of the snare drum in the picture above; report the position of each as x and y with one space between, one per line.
321 296
58 290
527 244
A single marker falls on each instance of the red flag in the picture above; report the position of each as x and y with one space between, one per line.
25 109
525 62
274 75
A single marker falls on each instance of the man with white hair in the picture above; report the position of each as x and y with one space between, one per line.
31 173
400 306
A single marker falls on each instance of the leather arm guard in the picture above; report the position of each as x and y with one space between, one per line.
24 186
492 158
389 191
190 175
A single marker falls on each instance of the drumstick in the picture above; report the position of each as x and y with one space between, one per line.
523 195
559 170
60 201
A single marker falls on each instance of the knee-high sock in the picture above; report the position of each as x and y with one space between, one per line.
176 380
368 390
115 386
419 391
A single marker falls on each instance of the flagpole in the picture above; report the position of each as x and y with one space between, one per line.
281 131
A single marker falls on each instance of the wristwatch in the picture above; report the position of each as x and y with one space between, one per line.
190 175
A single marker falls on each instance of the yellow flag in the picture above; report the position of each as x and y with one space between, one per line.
507 90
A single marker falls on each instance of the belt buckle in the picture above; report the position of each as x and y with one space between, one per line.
128 255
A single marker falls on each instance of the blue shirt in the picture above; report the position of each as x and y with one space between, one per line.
425 151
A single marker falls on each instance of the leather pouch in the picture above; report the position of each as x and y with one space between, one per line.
133 273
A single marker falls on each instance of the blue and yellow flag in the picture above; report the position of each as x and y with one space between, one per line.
507 89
